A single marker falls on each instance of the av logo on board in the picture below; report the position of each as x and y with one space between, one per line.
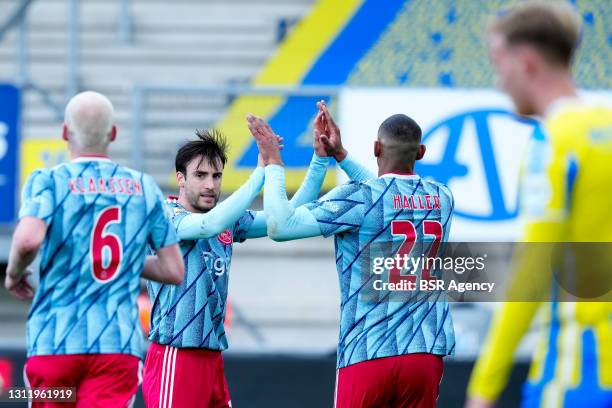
476 146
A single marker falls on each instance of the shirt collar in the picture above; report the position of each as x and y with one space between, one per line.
401 176
91 157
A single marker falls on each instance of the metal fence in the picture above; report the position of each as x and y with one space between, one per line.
18 20
141 92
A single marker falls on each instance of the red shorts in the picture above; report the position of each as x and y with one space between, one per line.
184 377
411 380
101 380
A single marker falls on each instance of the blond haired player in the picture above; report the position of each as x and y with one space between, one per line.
565 197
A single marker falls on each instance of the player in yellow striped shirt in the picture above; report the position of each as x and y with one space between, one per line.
566 196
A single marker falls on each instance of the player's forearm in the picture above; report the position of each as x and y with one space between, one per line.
284 221
529 284
225 214
259 227
354 170
19 259
152 269
494 365
27 239
167 268
309 190
277 207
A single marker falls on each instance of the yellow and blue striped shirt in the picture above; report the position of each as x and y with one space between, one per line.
565 197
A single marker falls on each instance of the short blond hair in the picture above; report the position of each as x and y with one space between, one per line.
552 28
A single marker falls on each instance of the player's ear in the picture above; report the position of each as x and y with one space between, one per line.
421 152
65 132
377 148
113 134
529 61
180 179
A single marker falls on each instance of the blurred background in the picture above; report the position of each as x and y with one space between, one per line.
172 67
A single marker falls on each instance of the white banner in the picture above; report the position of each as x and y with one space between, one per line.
474 145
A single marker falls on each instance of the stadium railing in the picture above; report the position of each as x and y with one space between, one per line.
140 93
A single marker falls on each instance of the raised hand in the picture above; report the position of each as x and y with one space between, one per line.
267 141
319 128
330 138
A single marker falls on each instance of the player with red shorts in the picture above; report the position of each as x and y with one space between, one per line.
392 338
184 366
92 221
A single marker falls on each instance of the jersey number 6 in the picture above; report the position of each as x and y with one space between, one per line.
105 268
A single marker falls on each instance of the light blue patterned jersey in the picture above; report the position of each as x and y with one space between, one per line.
192 314
381 218
101 219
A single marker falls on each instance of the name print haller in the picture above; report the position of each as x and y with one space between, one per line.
416 202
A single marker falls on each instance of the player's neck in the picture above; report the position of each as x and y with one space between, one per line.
395 168
557 86
81 153
182 200
185 203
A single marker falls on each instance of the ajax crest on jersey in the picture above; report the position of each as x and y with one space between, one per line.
225 237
